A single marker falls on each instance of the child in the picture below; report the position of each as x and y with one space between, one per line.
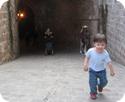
96 58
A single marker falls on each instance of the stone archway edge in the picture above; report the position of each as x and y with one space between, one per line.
2 2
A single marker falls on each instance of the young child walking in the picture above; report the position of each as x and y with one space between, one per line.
95 62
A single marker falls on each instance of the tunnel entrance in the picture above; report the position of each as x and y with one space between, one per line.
63 17
26 28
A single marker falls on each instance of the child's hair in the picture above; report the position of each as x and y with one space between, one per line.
99 38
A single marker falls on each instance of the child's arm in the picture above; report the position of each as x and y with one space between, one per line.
112 73
85 64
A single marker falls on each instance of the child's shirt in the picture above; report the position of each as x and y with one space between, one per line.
97 61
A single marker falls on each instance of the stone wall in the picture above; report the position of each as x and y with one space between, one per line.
88 13
13 28
4 34
116 30
8 32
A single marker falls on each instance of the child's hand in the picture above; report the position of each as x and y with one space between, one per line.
112 73
85 67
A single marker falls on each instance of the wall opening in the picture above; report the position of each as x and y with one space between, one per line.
64 18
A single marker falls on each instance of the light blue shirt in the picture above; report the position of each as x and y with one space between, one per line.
97 61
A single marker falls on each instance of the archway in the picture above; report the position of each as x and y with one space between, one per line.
64 18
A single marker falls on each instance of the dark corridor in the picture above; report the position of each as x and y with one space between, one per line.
63 17
26 28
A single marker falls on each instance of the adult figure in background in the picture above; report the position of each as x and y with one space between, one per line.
84 39
49 42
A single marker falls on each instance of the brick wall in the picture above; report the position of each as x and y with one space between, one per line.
116 30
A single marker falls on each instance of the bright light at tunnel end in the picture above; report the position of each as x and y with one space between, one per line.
122 2
2 2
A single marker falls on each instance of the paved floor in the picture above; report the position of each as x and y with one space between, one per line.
58 78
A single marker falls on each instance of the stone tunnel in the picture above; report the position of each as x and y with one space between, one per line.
64 18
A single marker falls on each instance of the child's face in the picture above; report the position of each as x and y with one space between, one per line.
100 46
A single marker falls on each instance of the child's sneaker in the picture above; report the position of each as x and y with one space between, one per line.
93 96
100 89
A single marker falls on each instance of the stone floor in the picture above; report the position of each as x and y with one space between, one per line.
57 78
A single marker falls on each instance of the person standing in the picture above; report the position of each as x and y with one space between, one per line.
49 42
95 61
84 39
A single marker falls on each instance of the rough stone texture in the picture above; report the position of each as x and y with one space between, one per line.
116 30
4 34
14 28
9 48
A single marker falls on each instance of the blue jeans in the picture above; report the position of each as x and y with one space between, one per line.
94 76
49 45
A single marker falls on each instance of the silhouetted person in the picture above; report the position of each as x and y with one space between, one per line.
84 39
49 41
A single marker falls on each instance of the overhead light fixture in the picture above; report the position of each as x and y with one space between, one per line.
21 14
